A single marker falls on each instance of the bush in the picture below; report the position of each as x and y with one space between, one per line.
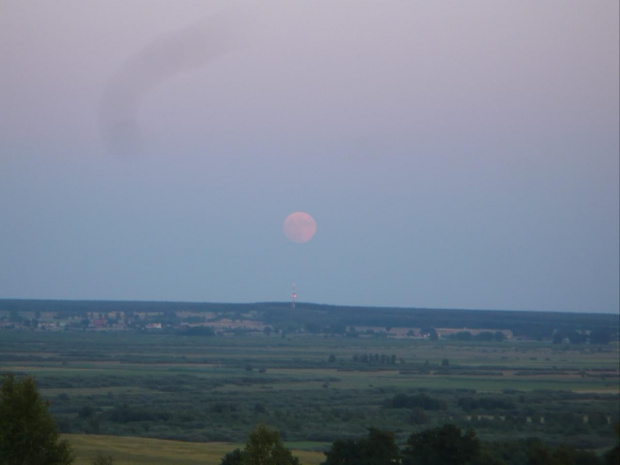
101 459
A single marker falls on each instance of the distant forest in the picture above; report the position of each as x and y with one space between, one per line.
536 325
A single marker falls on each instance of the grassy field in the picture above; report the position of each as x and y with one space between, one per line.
143 451
125 388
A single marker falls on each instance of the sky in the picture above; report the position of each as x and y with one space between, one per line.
453 154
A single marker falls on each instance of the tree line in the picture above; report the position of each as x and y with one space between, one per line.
444 445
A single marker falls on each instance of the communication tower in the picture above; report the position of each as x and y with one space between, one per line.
293 297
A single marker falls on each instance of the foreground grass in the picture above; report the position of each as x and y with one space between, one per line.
137 451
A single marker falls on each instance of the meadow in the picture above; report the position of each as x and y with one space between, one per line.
147 451
166 398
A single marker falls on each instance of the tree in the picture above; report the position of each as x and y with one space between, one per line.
462 336
264 447
28 434
379 448
538 453
486 336
558 337
343 452
441 446
431 332
101 459
233 458
14 316
576 337
600 336
612 457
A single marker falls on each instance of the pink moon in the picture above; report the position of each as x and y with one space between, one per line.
299 227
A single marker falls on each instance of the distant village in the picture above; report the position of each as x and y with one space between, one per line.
278 319
123 321
208 323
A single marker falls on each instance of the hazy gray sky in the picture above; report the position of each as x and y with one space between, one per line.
453 154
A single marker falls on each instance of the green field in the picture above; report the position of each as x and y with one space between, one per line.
142 451
117 391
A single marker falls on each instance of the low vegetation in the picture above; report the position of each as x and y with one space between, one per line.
207 376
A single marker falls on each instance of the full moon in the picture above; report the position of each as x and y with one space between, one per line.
299 227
